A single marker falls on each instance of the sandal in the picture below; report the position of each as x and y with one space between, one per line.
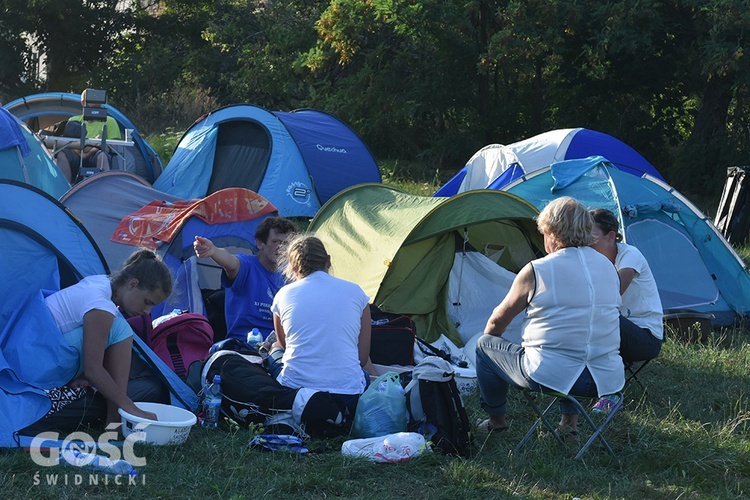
606 404
567 434
484 426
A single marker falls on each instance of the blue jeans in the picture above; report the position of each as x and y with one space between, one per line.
274 366
499 365
636 343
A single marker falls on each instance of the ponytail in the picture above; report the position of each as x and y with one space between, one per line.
150 271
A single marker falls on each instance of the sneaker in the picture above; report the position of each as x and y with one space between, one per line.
605 404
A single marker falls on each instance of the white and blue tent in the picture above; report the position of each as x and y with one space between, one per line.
695 269
24 158
41 112
494 166
45 247
297 160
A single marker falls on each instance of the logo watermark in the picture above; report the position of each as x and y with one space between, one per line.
55 479
107 462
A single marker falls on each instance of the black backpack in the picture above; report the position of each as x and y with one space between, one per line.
250 395
435 407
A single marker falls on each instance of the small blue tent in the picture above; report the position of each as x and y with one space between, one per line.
43 111
694 267
24 158
494 166
44 247
296 160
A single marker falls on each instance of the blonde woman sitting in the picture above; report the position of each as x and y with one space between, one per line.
322 326
570 337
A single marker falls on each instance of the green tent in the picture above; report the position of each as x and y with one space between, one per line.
400 247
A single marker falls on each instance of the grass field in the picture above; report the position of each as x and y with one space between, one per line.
688 436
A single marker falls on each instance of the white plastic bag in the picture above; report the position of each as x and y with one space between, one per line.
391 448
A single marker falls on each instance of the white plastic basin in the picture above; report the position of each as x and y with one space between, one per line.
172 427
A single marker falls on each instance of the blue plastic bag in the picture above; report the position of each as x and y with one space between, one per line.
381 409
278 442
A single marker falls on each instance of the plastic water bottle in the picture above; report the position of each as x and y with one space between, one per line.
161 319
254 337
212 404
98 463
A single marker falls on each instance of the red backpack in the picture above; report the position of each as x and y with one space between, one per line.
178 341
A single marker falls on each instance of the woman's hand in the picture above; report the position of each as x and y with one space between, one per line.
143 413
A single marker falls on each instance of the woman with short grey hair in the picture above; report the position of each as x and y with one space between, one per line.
570 335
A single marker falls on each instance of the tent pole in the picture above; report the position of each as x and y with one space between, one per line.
461 269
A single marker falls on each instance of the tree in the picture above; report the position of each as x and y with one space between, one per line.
13 66
77 37
401 72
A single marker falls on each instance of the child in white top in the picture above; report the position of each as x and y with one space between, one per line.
87 315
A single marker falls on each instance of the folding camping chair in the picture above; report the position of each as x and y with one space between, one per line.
632 370
597 429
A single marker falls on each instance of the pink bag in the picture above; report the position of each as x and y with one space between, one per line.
178 341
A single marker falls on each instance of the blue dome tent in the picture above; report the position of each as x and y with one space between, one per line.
43 111
695 269
297 160
37 233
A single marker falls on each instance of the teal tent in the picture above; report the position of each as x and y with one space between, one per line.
696 270
24 158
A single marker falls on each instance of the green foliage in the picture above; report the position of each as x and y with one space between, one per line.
266 42
427 81
744 252
77 38
164 69
397 72
12 50
165 143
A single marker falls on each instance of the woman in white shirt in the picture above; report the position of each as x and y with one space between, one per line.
322 323
89 317
641 326
570 335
